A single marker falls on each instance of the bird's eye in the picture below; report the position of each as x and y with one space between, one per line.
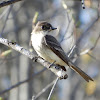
44 27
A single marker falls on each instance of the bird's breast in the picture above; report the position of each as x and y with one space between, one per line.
36 41
43 50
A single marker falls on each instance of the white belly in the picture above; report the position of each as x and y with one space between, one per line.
45 52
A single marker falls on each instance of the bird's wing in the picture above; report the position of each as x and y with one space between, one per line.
54 45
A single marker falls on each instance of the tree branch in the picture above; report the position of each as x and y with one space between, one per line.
55 69
9 2
43 90
53 88
10 7
87 50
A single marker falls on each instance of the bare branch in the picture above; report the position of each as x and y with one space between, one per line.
86 51
90 49
96 21
55 69
6 19
34 19
96 42
9 2
27 53
65 6
43 90
4 12
93 57
53 88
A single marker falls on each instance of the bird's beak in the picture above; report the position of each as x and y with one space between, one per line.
53 28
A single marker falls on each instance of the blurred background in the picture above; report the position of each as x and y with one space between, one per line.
75 25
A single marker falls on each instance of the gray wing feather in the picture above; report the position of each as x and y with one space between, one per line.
55 46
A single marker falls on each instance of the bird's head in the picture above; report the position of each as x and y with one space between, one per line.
43 27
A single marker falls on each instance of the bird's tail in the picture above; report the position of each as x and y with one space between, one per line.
80 72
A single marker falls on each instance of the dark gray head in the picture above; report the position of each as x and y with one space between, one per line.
43 26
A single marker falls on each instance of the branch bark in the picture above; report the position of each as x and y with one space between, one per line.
54 68
8 2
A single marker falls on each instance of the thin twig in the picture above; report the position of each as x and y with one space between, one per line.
93 57
43 90
8 2
90 49
35 19
86 30
35 97
53 88
71 51
96 42
85 51
4 12
6 20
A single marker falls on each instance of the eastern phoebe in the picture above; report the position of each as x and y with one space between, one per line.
50 49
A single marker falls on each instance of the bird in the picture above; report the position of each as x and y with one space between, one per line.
47 47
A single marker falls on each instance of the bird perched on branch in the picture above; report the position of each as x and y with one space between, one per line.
50 49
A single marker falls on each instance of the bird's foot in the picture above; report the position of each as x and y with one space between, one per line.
63 77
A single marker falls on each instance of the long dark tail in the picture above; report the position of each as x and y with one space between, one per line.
80 72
